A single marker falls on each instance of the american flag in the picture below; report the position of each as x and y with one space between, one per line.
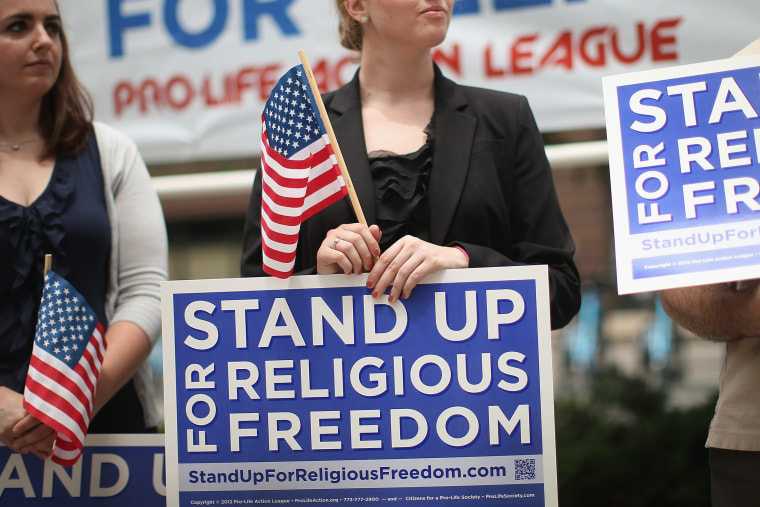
68 351
300 173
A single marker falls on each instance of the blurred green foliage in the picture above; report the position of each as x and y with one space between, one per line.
620 444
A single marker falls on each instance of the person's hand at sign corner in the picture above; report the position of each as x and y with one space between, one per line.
20 431
407 261
33 436
11 412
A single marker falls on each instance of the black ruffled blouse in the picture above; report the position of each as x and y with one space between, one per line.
401 193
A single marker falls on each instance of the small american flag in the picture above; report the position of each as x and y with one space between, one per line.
300 173
68 352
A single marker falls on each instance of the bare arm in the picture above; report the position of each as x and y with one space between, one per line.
719 312
128 347
722 312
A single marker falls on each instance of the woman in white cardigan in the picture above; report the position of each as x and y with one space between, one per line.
80 191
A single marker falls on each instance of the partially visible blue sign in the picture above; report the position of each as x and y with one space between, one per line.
310 390
685 173
114 471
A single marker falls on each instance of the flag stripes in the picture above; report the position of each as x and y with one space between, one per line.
299 171
66 361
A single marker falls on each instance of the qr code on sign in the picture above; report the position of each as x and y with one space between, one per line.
525 469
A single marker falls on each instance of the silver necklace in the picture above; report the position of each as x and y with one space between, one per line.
16 146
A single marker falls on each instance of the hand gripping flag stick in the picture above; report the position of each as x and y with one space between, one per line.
302 168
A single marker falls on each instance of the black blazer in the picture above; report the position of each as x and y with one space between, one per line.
490 191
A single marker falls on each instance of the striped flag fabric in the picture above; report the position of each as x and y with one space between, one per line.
299 171
69 347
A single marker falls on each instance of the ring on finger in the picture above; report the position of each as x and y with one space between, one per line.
335 243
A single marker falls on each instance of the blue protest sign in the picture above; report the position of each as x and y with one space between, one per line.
115 470
684 148
308 390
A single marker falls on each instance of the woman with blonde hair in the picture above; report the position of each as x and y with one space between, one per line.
449 176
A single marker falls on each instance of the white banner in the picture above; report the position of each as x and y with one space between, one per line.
187 79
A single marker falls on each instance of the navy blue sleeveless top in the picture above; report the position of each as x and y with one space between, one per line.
68 220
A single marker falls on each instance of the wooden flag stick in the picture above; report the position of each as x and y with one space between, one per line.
48 264
331 135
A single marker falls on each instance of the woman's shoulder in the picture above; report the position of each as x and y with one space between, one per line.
108 135
492 97
477 98
119 154
116 148
344 97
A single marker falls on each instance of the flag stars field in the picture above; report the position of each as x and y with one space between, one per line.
61 321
